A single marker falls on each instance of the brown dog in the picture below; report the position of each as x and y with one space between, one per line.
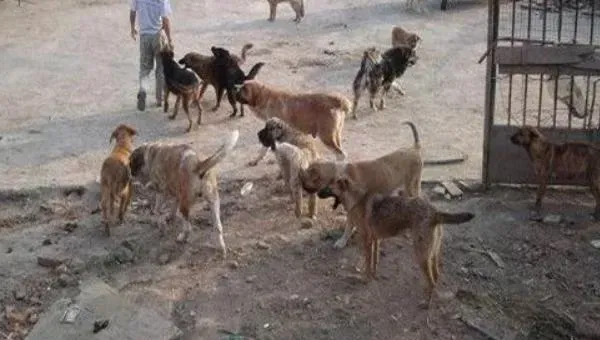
378 217
401 168
318 114
297 6
566 159
115 176
294 151
402 37
204 67
178 172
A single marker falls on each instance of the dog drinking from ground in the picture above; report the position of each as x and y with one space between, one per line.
178 172
204 67
401 168
294 151
297 6
229 75
378 71
115 176
383 216
565 159
318 114
182 83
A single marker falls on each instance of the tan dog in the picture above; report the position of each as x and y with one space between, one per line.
566 159
318 114
297 6
378 217
115 176
178 172
401 168
294 151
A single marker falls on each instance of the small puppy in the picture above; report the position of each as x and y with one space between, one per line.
297 6
294 151
401 168
115 176
229 75
378 74
178 172
383 216
204 67
565 159
182 83
318 114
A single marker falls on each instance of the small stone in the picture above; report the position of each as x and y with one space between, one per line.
452 188
294 297
283 238
127 244
262 245
164 259
250 278
438 189
233 264
77 266
552 219
34 300
448 196
595 244
70 226
46 242
306 223
9 250
20 293
33 318
62 269
50 260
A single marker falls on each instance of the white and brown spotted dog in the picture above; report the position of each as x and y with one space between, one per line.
178 172
294 151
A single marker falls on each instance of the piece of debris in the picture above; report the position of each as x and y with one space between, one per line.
20 293
100 325
546 298
9 250
233 264
452 189
262 245
77 266
70 227
164 258
493 255
329 52
440 190
62 269
33 318
250 278
71 314
66 280
595 243
552 219
470 185
447 196
475 325
306 223
50 260
46 242
246 188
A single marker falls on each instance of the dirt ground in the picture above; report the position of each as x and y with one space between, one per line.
69 73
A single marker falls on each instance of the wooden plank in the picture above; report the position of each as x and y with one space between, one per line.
509 163
570 70
535 55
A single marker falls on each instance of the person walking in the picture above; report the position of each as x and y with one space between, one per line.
154 26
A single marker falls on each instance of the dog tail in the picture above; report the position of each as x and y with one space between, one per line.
415 133
219 155
450 218
254 71
245 49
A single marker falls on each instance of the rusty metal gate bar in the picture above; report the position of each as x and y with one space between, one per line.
555 43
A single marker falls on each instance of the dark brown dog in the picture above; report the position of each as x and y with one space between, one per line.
566 159
204 67
115 176
383 216
403 37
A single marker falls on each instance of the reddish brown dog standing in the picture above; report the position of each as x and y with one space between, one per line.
115 176
565 159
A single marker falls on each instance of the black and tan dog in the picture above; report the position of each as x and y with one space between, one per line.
378 71
565 159
204 67
115 176
383 216
294 151
183 83
297 6
399 169
320 115
229 76
178 172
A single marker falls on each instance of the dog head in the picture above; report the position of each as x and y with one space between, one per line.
525 136
137 161
273 131
167 54
413 40
185 61
122 133
249 92
220 53
346 191
318 176
412 57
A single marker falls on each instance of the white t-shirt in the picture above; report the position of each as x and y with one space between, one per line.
149 14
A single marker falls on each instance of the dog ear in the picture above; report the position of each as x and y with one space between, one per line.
132 131
112 136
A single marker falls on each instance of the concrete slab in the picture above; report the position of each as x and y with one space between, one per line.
98 301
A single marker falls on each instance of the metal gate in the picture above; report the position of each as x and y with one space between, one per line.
543 69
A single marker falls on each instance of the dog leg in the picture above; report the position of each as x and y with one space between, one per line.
595 187
261 156
105 204
215 210
541 191
272 10
166 100
175 109
157 203
186 109
354 105
297 196
187 225
232 101
202 90
219 93
398 87
312 205
376 251
125 201
199 121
